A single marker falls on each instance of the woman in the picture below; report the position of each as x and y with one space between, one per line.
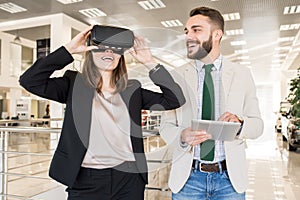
100 153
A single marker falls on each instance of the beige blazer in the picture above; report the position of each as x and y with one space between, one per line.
238 96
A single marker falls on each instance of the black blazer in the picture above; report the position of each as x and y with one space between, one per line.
72 90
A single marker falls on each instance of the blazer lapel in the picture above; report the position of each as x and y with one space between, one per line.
82 101
227 75
191 84
132 102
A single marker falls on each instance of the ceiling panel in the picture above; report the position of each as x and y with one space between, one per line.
260 20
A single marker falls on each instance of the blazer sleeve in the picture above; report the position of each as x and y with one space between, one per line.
253 125
171 97
37 78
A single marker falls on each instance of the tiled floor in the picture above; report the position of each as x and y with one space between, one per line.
274 172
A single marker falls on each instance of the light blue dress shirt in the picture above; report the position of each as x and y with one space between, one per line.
217 79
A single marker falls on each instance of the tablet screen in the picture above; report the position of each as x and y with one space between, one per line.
220 130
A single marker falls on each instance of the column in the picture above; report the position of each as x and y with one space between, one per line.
60 34
14 95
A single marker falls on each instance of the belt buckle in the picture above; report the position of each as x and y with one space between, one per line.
200 167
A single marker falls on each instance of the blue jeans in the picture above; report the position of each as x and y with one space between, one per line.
209 186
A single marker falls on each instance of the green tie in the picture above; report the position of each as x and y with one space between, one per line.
208 112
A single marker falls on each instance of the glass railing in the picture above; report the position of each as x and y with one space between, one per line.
26 152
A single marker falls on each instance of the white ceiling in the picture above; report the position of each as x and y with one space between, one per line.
259 19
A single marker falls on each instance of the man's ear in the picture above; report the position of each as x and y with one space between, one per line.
217 34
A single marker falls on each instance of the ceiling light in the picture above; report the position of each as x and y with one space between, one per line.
171 23
231 16
286 39
291 9
282 48
276 61
68 1
235 32
280 55
275 65
237 43
17 39
245 63
243 57
178 62
296 50
289 27
151 4
12 8
92 12
241 51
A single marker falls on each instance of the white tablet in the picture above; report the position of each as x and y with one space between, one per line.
220 130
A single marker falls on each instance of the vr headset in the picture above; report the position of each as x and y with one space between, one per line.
109 37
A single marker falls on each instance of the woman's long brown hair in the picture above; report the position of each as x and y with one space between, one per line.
93 77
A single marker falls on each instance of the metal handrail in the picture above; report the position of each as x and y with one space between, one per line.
15 196
30 120
7 130
26 153
30 129
25 175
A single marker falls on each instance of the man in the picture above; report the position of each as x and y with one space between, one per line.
203 168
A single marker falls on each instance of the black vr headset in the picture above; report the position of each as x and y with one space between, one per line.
109 37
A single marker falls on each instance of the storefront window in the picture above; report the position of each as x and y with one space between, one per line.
27 58
15 59
21 59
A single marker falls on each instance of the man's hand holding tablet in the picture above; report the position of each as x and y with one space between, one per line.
219 130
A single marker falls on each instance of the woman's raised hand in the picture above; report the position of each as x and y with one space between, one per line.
78 43
141 52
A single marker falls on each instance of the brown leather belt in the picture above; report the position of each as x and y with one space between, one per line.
204 167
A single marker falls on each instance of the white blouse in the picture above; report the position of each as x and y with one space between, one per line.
109 143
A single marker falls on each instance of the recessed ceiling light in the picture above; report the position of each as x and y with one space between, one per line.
282 48
243 57
68 1
280 55
296 50
276 61
291 10
151 4
171 23
245 63
286 39
12 8
92 12
235 32
287 27
241 51
231 16
236 43
275 65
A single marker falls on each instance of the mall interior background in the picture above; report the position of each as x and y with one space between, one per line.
262 35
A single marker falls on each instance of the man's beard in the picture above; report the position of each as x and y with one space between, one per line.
203 50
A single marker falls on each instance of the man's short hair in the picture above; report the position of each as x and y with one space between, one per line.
214 15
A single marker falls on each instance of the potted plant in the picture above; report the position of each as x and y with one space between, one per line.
294 96
294 123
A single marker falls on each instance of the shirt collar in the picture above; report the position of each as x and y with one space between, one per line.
217 64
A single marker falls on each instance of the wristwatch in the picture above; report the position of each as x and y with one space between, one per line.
240 119
154 69
242 123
